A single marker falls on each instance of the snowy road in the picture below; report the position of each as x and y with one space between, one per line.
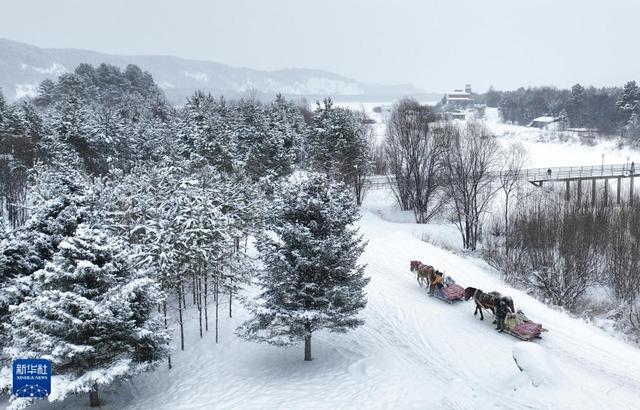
472 364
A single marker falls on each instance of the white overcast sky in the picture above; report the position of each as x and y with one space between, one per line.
435 45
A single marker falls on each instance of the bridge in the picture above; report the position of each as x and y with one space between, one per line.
538 176
566 175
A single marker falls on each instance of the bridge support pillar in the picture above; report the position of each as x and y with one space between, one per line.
606 191
631 190
593 192
618 193
579 181
566 195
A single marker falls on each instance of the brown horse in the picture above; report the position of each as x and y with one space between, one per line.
425 274
483 300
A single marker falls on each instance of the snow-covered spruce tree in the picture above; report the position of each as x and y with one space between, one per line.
311 278
92 316
60 202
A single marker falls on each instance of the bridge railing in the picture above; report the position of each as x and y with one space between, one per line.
563 173
541 174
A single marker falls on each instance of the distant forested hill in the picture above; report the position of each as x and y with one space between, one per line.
23 67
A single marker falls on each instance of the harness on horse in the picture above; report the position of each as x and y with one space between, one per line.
474 296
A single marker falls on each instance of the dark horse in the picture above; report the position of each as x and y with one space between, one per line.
483 300
506 299
487 301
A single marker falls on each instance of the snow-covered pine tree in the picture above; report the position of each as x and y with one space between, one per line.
153 136
21 130
111 142
92 316
204 129
46 93
337 145
3 104
311 278
633 125
263 148
629 100
72 85
287 116
242 203
629 103
142 207
203 238
72 122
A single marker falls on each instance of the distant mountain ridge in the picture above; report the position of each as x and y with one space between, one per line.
23 67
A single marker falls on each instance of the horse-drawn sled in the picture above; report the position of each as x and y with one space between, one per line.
440 286
515 322
508 319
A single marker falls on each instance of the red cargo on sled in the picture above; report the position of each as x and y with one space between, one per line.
519 325
450 293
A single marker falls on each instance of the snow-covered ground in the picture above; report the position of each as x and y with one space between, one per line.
413 352
379 127
544 147
546 150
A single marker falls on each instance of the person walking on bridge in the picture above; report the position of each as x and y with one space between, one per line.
549 173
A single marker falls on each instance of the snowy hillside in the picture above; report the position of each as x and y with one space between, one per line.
23 67
413 352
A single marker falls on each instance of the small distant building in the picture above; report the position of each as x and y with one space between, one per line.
544 122
461 98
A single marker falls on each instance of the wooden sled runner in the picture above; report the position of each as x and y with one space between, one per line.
449 293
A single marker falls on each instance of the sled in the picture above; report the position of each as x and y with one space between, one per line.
450 293
519 326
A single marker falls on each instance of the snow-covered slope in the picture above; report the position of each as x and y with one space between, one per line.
413 352
23 67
